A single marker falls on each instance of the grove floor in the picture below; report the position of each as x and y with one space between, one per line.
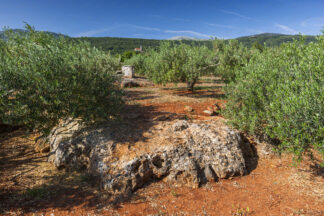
29 185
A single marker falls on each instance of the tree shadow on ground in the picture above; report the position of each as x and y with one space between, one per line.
63 192
139 95
200 92
23 191
317 169
250 154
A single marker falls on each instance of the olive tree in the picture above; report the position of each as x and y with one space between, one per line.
232 56
44 79
178 63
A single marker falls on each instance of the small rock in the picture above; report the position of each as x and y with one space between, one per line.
41 145
188 109
216 108
129 84
209 112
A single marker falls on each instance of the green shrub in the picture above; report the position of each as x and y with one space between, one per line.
44 79
279 93
232 56
178 63
127 55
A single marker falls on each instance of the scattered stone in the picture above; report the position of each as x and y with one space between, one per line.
135 82
188 109
41 145
209 112
129 84
213 110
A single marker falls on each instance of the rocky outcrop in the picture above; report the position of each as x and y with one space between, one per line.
191 153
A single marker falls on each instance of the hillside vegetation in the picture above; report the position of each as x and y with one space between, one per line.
120 45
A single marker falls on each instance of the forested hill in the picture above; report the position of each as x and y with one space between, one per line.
271 39
119 45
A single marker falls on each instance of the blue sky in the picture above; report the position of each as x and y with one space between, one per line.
162 19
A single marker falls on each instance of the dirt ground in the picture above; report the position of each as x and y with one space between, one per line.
29 185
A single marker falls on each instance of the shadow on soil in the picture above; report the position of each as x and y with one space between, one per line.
250 155
200 92
18 165
63 192
139 95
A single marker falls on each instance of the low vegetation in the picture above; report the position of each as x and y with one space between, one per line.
279 93
175 63
44 79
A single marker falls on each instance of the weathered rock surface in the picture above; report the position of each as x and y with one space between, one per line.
183 152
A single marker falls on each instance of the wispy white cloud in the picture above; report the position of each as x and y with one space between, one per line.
286 28
193 33
146 28
221 26
168 31
235 14
313 22
93 32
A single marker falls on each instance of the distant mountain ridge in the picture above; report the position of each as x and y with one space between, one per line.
272 39
119 45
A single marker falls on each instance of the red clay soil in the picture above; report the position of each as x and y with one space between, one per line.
273 186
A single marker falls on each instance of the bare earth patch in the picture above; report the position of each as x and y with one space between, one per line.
29 185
